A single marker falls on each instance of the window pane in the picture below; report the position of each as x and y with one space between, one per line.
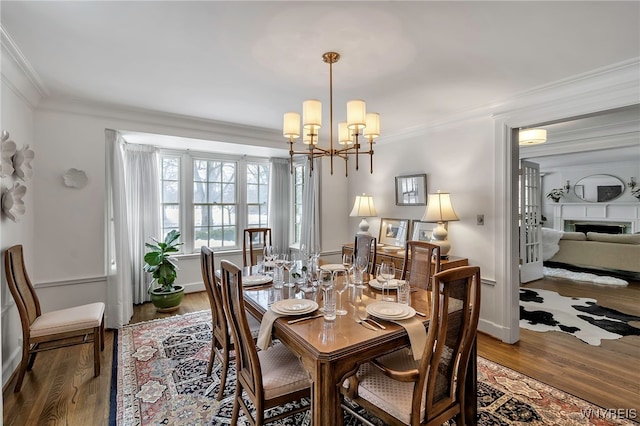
264 194
228 172
264 174
214 193
201 237
199 194
229 193
214 171
252 194
170 168
200 215
170 192
252 173
253 217
199 170
170 216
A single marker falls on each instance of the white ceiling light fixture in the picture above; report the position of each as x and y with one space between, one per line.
532 136
358 120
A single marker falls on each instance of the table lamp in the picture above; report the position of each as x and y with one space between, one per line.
363 207
440 210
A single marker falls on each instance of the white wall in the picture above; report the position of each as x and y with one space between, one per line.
17 118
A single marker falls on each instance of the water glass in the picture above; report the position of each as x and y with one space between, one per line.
329 296
404 292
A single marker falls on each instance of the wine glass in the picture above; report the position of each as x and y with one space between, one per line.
387 272
361 265
340 284
287 264
347 262
326 284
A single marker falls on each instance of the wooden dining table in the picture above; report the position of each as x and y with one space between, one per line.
331 351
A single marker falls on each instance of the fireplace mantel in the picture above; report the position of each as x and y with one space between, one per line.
606 213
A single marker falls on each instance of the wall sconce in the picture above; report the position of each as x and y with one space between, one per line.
567 187
632 182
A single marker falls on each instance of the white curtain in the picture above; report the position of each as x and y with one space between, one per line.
119 274
280 203
143 198
310 221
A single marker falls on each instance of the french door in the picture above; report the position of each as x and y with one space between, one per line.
530 227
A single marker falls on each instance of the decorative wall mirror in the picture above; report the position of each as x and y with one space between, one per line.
599 188
411 190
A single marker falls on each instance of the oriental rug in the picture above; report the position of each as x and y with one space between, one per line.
161 380
582 317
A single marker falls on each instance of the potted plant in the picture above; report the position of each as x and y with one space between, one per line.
555 194
166 296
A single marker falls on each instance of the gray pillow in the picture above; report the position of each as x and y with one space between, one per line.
614 238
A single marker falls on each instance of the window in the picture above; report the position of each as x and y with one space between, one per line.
214 203
296 197
170 197
211 198
257 195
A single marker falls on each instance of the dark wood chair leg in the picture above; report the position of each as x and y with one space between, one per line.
32 359
96 351
223 373
23 368
102 333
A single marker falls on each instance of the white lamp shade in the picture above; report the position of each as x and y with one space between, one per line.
439 208
291 125
532 136
312 113
356 114
372 129
363 206
344 134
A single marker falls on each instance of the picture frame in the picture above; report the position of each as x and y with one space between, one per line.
393 232
411 190
422 231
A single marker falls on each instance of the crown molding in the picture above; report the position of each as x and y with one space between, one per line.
146 121
23 64
616 80
595 143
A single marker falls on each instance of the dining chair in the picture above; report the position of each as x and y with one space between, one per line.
220 337
269 378
429 391
365 245
422 255
54 329
252 243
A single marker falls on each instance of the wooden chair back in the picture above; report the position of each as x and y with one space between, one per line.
365 245
253 241
248 370
422 255
21 289
221 340
444 369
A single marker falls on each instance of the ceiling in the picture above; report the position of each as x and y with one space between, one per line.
415 63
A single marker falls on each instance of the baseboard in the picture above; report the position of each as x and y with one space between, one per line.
193 287
494 330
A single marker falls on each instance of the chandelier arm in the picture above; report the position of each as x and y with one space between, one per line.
357 146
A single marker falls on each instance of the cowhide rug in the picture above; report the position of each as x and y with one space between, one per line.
544 310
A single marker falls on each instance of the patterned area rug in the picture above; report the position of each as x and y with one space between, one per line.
161 381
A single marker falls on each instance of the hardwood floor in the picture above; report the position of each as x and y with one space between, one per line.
61 389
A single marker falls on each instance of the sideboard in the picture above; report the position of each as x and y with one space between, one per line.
398 259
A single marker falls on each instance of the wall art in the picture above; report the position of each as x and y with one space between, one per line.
7 151
22 163
74 178
12 203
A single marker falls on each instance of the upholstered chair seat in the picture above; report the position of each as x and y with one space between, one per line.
282 372
66 320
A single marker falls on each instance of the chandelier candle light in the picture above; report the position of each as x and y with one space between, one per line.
348 132
439 209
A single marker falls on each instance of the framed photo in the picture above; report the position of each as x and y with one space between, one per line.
393 232
411 190
422 231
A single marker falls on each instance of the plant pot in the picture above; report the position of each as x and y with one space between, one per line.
167 301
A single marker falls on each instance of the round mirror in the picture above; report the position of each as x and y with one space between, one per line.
599 188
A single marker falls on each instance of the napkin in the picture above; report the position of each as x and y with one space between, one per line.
417 335
266 326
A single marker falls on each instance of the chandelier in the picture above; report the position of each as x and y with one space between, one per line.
349 132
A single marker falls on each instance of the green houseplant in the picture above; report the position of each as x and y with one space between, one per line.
166 296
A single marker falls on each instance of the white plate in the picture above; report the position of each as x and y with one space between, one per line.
391 249
269 264
256 280
294 306
393 284
333 267
390 310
